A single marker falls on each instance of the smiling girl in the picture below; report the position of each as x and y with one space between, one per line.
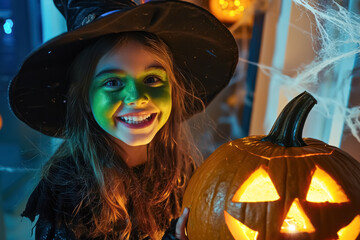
130 95
120 100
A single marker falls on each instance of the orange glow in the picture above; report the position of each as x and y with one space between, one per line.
229 10
351 231
323 188
238 230
296 220
1 122
257 188
286 156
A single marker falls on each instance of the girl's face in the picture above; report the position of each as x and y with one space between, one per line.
130 95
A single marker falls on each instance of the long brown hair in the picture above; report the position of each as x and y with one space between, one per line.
120 200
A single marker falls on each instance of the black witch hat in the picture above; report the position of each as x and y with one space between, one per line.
201 46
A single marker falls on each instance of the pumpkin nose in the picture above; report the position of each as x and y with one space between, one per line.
296 220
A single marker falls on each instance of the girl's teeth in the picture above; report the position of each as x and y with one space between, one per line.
135 119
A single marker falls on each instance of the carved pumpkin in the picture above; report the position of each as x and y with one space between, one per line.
229 10
276 187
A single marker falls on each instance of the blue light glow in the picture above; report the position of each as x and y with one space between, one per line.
8 26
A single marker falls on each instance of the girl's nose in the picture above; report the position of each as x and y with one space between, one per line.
137 101
135 96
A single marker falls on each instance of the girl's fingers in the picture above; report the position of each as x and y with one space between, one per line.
181 224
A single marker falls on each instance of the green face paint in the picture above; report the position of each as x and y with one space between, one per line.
130 94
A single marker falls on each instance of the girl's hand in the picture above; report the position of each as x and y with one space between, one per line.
181 224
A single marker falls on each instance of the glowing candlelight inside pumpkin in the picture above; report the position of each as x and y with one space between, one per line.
292 228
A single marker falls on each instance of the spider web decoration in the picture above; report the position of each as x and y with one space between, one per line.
337 38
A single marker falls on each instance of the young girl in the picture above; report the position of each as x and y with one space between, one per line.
120 101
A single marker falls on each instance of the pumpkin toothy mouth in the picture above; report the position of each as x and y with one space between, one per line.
238 229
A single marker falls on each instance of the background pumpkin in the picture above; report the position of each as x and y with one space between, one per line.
278 186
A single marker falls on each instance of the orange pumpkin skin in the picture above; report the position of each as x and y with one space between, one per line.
211 189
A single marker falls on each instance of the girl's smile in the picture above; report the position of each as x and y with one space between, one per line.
141 120
130 95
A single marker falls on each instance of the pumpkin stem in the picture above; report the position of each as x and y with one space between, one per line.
288 127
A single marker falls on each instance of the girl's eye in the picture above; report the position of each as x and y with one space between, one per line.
153 80
114 83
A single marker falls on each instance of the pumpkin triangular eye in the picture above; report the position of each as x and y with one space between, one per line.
296 220
323 188
257 188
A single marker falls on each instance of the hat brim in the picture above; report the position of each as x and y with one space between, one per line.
201 46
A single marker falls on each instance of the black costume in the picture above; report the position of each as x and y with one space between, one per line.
56 203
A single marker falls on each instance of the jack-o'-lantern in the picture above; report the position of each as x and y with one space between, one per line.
278 186
229 10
